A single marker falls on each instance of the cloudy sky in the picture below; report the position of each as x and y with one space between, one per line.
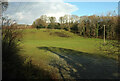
27 12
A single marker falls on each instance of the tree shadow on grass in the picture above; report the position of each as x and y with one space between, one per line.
83 65
16 67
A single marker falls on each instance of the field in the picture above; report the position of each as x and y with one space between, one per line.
67 55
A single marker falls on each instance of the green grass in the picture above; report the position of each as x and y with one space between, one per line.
46 47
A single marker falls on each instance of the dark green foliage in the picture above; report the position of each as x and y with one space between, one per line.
74 28
39 23
57 26
40 26
50 26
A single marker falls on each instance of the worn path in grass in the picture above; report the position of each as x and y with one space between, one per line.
83 65
67 55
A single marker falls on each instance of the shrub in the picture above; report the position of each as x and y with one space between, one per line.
14 65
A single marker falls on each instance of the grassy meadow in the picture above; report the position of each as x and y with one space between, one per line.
67 55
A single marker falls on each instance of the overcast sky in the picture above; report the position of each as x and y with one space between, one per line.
27 12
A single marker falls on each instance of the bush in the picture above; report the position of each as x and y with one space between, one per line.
14 65
110 47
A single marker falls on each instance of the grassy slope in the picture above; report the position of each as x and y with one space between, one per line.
45 48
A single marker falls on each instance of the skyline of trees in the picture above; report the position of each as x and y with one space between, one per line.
87 26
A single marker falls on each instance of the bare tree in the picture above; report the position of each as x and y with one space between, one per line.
52 21
61 20
45 19
4 5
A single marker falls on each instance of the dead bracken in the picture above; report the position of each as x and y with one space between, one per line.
60 34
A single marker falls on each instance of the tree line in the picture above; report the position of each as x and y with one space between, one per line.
87 26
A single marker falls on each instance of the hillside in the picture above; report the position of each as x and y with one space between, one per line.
67 55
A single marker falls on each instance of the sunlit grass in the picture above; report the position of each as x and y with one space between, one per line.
33 39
